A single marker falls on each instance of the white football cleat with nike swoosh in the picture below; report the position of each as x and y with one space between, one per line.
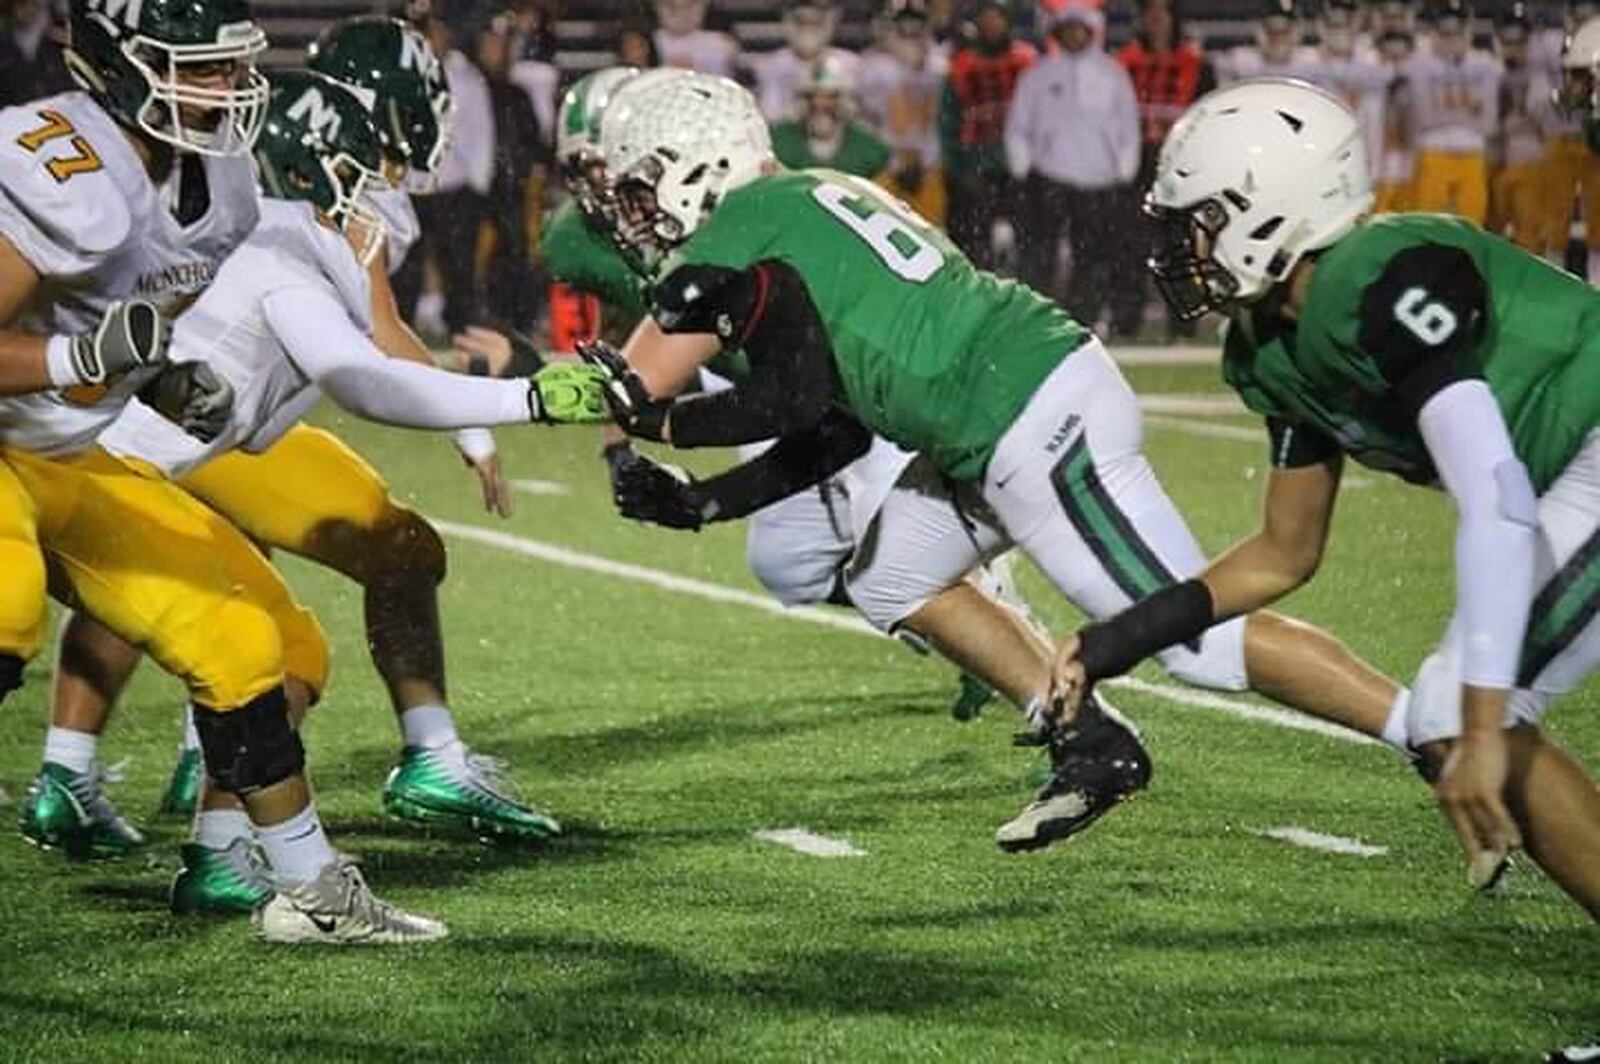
338 908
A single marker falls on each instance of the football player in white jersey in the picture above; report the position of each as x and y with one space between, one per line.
1453 96
1525 120
683 41
1277 52
1349 68
172 98
808 27
287 321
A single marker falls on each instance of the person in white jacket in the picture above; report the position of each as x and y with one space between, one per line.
1072 139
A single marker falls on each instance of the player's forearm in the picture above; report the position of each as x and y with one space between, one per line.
412 396
791 465
23 365
1253 574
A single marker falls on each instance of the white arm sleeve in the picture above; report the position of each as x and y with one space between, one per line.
327 347
1498 521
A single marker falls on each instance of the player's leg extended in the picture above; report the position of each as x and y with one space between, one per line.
1070 483
22 596
313 496
170 576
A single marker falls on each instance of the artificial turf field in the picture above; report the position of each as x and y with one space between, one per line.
665 729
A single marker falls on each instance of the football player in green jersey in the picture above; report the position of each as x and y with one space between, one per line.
797 547
860 318
1421 345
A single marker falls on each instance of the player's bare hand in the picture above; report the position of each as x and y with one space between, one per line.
1069 681
1470 791
483 351
480 455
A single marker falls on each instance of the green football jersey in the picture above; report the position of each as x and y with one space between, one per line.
860 152
587 260
1405 303
933 354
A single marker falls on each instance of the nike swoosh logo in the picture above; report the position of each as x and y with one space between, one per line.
325 924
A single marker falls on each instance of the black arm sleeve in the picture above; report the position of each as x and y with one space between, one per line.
794 463
1296 446
1421 320
767 311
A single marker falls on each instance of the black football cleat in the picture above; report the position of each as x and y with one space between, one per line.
1097 761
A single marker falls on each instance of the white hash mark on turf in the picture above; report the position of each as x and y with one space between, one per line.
808 842
846 622
1316 840
542 487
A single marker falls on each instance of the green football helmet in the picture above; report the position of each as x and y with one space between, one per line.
143 60
318 144
583 169
411 104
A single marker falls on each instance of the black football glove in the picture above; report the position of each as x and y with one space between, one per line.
646 490
192 396
132 335
635 411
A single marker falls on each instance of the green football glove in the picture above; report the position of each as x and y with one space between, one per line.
568 393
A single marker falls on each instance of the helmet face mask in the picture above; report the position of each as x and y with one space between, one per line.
1191 281
180 73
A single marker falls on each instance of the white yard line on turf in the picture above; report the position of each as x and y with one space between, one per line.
542 487
1202 404
1316 840
809 843
1163 355
684 585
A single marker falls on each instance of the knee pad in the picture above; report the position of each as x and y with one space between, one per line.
251 747
1217 665
405 540
10 674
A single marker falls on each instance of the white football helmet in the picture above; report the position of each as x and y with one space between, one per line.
1580 70
578 120
1250 179
675 150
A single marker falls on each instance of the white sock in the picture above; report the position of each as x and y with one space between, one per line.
1394 729
191 737
296 849
430 727
217 828
71 749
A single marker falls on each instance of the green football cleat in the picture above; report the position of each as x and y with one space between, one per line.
442 788
229 882
183 789
68 811
973 695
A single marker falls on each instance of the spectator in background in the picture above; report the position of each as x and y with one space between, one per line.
1397 167
1351 72
636 45
533 57
1169 73
516 187
1454 96
984 69
683 41
899 85
30 52
449 215
1525 116
823 133
808 27
1072 139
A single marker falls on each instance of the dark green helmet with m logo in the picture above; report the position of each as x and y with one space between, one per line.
180 71
318 144
410 101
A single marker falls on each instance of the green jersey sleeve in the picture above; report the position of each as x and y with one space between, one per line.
577 255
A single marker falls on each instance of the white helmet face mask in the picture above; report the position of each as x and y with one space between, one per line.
1252 178
673 152
233 115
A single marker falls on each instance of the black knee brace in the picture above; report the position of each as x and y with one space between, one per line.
10 674
251 747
